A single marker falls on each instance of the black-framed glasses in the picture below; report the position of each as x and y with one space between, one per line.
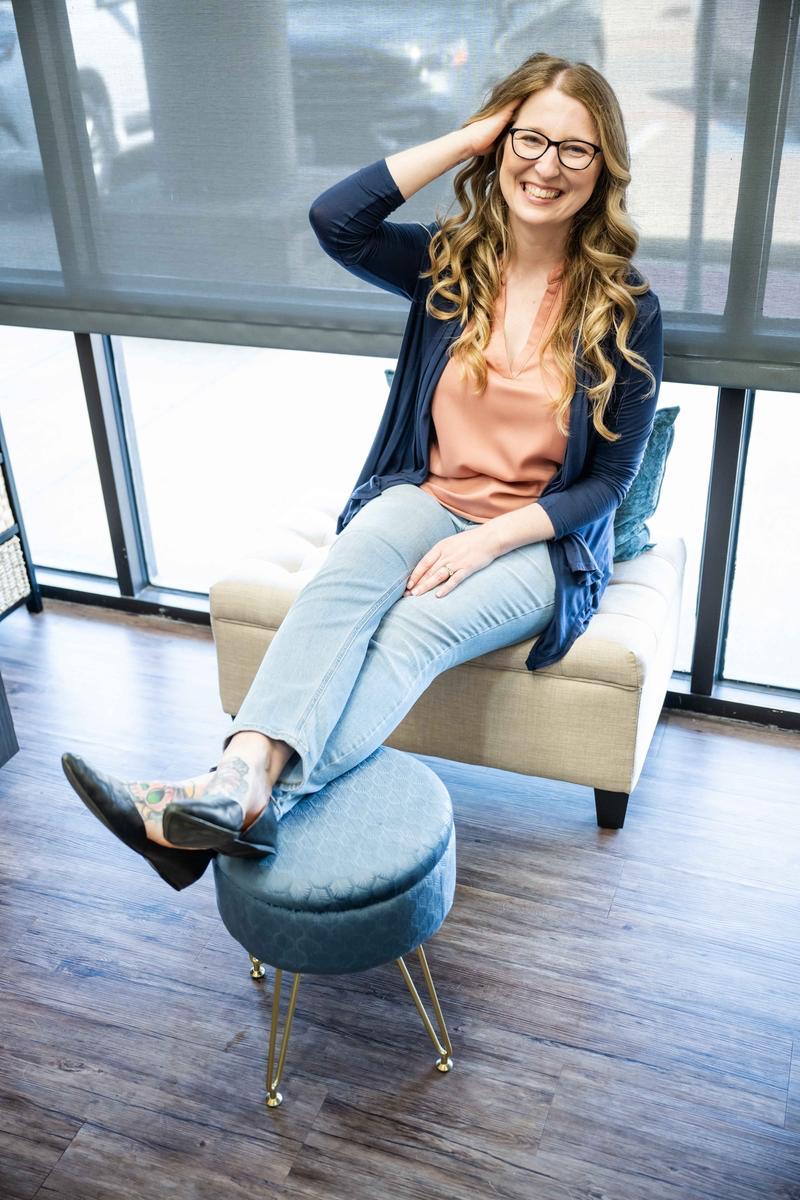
531 144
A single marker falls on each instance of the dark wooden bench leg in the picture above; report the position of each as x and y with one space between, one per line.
611 807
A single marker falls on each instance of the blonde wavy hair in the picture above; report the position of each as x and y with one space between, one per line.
471 248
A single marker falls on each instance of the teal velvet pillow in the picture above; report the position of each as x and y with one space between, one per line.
631 535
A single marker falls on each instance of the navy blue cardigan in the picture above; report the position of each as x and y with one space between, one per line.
350 222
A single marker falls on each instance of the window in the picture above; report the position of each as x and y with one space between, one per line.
230 436
180 212
760 647
782 291
51 450
144 195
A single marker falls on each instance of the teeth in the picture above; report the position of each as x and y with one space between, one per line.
545 195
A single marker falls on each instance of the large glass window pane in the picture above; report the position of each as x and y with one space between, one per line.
686 221
684 494
761 647
189 203
28 239
43 409
230 437
782 291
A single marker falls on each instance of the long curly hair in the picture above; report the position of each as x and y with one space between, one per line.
470 249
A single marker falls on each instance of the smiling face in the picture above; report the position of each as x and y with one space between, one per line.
558 116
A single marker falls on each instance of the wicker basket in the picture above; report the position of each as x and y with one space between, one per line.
14 582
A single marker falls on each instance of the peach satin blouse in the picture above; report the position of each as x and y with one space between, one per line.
493 453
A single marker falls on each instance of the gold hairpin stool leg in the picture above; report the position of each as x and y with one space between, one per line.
443 1048
257 968
274 1098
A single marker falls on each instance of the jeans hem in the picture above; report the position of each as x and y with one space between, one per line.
254 727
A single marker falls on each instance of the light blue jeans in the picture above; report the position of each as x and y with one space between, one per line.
353 653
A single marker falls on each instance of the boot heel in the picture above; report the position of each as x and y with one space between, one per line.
191 826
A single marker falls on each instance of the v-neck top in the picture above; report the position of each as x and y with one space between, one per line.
496 452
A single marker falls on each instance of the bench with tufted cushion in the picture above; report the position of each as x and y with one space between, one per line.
587 719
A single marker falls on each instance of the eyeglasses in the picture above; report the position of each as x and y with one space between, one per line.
530 144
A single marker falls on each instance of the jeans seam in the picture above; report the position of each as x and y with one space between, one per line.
433 662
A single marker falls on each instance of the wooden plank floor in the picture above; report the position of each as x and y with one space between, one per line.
625 1006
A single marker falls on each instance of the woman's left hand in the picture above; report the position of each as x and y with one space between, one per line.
463 553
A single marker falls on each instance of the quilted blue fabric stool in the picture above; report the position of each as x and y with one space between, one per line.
365 873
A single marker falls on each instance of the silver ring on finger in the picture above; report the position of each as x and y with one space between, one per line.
450 571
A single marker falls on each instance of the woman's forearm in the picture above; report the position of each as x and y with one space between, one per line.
412 169
519 527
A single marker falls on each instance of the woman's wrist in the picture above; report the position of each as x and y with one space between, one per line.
519 527
418 166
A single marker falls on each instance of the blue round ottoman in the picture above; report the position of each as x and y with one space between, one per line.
365 873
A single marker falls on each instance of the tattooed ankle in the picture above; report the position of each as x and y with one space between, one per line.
230 777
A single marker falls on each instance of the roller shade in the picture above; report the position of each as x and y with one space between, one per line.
157 161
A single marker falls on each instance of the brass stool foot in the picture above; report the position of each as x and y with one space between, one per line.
274 1098
257 969
443 1047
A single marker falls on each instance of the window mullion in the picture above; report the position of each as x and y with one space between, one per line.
731 434
113 461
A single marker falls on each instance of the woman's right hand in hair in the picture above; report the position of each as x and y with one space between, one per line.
483 134
412 169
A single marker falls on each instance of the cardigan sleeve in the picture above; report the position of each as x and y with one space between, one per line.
349 219
613 465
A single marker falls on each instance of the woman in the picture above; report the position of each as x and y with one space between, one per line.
521 405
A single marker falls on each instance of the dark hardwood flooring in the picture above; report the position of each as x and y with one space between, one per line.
625 1007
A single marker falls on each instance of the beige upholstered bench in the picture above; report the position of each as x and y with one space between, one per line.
587 719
